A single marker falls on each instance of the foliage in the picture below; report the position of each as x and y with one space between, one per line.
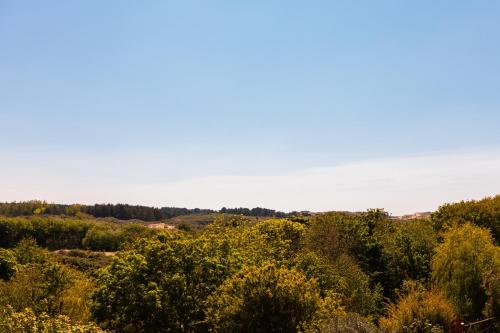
357 291
160 286
333 235
348 323
184 227
68 233
408 250
85 261
281 235
466 267
418 311
28 252
245 273
8 264
51 288
44 285
122 211
264 299
27 321
345 279
484 213
257 211
102 237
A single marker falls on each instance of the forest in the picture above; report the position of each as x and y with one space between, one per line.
121 211
70 268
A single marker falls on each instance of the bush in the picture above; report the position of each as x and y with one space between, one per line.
28 252
8 264
264 299
45 285
27 321
418 311
102 238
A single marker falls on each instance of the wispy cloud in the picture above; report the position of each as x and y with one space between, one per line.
399 184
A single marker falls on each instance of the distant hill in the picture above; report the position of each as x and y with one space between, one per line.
418 215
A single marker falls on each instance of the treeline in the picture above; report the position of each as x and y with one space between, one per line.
257 211
118 211
121 211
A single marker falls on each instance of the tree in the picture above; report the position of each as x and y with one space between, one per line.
418 311
466 267
161 285
408 250
484 213
264 299
343 278
333 235
8 264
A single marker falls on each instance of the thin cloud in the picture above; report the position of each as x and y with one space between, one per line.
400 184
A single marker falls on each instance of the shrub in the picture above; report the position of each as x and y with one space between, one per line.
8 264
418 311
27 321
264 299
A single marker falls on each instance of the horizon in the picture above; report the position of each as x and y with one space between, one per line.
325 106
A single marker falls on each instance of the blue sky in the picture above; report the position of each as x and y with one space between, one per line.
163 91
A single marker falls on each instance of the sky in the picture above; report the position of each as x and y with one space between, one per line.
289 105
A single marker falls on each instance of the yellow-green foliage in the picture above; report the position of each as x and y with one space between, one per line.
418 311
408 247
162 284
484 213
69 233
8 264
267 299
27 321
466 267
329 274
44 285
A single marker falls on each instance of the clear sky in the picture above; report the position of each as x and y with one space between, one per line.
285 104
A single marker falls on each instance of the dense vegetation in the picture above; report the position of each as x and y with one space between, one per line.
121 211
329 272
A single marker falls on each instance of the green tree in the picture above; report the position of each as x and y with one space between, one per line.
484 213
343 278
161 285
408 250
28 252
8 264
332 235
466 267
264 299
